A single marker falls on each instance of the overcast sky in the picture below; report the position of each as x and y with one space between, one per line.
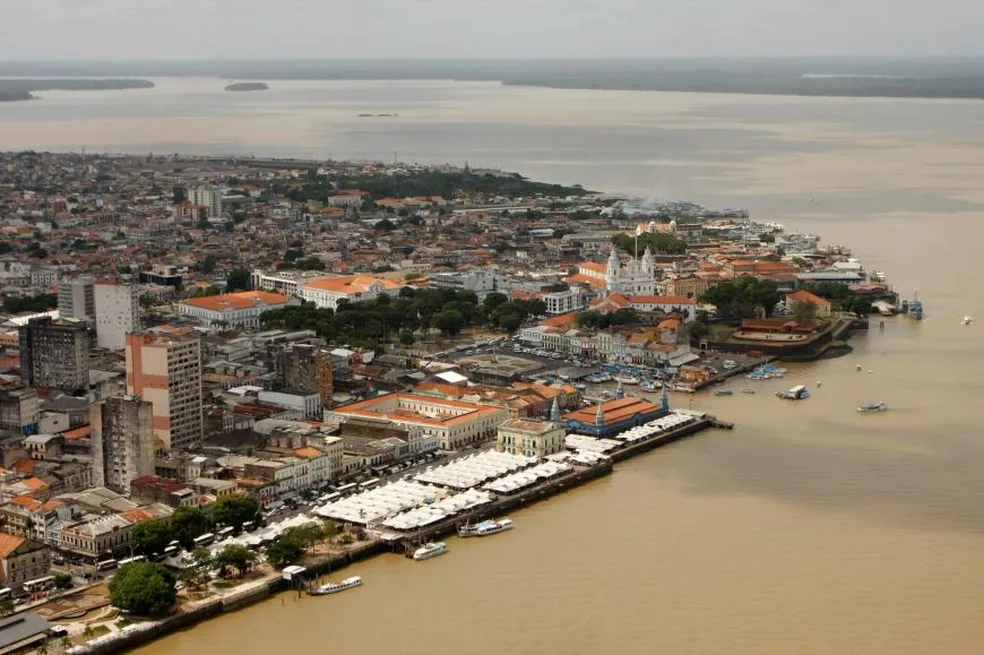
261 29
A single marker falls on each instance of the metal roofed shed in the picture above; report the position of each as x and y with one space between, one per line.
293 572
451 377
22 631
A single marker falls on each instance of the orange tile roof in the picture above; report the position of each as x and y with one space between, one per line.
34 483
9 543
559 321
82 432
580 278
26 502
25 466
802 295
307 452
597 267
613 411
137 515
350 283
241 300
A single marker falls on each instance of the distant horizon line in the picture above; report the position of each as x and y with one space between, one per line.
459 60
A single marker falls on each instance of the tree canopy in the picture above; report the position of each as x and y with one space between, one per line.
150 537
187 523
655 241
291 545
235 556
233 511
144 588
372 322
743 297
238 279
39 303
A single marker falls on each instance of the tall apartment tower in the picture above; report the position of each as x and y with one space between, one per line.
55 353
209 197
303 368
122 441
117 313
166 370
76 299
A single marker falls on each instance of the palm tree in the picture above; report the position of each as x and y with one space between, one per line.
66 643
88 631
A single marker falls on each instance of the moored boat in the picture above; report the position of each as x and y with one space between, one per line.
798 392
335 587
486 528
871 408
627 379
747 390
429 550
723 392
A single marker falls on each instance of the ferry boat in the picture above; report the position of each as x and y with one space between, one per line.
430 550
877 276
798 392
335 587
627 379
723 392
873 407
485 528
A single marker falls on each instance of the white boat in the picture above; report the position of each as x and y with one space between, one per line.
335 587
967 320
877 276
627 379
430 550
651 385
873 407
485 528
798 392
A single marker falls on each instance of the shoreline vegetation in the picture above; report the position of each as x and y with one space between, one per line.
12 90
955 78
240 87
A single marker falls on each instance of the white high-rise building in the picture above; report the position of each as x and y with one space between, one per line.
117 313
76 299
209 197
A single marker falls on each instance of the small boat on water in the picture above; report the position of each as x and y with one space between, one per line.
723 392
651 385
877 276
748 391
430 550
871 408
486 528
336 587
627 379
967 320
798 392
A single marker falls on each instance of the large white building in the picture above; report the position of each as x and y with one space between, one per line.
456 424
117 313
564 302
241 309
637 277
166 370
76 299
208 197
327 292
531 438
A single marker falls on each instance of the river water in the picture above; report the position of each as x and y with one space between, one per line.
809 528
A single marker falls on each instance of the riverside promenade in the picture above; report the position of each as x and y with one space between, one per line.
320 564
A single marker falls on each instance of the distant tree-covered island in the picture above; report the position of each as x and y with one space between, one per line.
247 86
23 89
